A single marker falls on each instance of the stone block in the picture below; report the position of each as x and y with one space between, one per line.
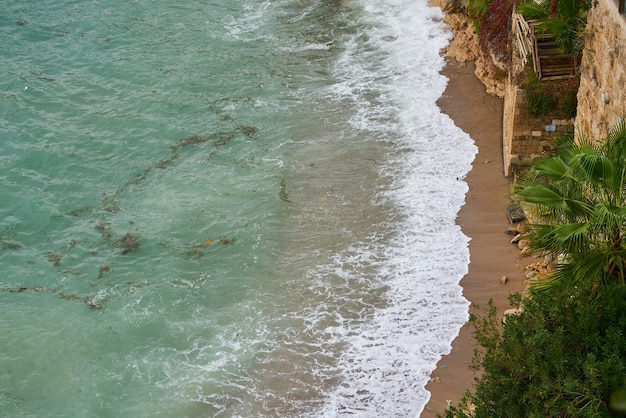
516 214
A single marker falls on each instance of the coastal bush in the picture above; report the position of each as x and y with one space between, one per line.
477 12
492 22
558 98
539 103
570 103
563 356
497 28
539 98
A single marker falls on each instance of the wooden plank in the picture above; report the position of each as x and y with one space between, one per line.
536 60
550 63
522 36
550 53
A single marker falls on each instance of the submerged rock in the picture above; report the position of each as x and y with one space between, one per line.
193 140
104 269
249 130
10 245
389 38
93 304
129 243
79 211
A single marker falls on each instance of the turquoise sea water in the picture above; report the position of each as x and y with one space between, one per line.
218 209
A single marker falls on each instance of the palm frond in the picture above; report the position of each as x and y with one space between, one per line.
554 168
578 208
584 271
615 145
617 266
591 266
609 217
533 10
564 203
594 167
567 146
543 195
569 9
545 285
572 237
560 239
542 239
579 196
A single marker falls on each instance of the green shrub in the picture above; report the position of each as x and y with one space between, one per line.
557 98
563 356
539 98
539 103
477 12
570 103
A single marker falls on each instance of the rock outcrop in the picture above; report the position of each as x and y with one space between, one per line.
602 93
466 47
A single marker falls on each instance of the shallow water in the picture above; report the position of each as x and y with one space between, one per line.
226 210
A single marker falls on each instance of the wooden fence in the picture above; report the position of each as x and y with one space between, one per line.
548 62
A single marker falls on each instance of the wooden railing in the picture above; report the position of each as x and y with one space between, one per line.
523 37
548 61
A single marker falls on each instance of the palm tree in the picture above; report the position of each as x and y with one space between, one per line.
580 194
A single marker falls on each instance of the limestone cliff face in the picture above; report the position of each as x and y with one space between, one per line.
466 47
602 93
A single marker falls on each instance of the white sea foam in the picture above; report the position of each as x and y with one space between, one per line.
315 46
390 356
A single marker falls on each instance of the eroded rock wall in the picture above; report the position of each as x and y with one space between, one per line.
602 93
466 47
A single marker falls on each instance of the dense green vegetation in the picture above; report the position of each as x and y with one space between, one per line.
555 98
564 355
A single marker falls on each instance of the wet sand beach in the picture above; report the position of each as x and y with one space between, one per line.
484 219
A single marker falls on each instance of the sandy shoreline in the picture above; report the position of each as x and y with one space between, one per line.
484 219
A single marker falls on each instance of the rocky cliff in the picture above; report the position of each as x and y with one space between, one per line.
602 93
466 47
